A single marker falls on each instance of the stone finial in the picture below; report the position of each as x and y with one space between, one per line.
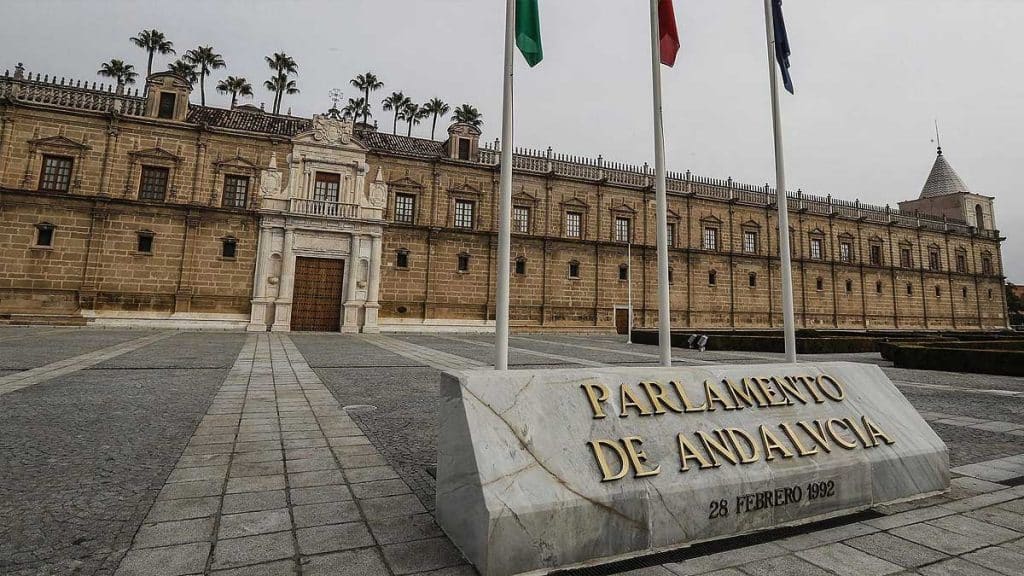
19 71
273 161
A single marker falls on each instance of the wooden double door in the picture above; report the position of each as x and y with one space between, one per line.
317 294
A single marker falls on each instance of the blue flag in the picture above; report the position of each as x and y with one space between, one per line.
782 44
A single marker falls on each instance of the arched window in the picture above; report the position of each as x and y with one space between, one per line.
979 217
520 266
712 278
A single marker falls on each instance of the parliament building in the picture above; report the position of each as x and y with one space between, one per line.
128 209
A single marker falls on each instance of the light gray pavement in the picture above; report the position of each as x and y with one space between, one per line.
313 454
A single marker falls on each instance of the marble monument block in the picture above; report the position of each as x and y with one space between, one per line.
539 469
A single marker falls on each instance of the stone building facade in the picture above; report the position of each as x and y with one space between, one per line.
127 208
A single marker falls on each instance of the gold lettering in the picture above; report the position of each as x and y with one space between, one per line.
687 405
835 435
744 392
596 399
659 398
835 392
867 442
800 448
714 395
752 454
788 387
639 457
771 394
630 400
818 435
599 455
719 446
771 442
687 452
875 431
812 386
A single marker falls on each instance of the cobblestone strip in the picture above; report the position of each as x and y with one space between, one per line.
644 355
27 378
558 357
960 389
1011 428
428 356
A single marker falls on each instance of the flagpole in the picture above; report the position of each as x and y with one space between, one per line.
664 321
505 209
629 289
782 201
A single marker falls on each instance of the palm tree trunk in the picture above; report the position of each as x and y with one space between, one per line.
234 98
366 100
202 88
149 66
394 125
433 126
410 128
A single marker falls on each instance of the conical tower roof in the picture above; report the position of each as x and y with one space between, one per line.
943 180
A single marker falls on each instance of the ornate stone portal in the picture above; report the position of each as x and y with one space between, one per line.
320 205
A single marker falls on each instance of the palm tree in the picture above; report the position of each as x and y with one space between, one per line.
467 114
280 85
206 60
355 108
367 82
412 113
235 87
153 41
437 107
397 102
282 65
185 70
123 73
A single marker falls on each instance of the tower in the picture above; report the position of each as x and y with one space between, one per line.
945 195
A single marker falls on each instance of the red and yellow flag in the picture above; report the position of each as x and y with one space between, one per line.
667 32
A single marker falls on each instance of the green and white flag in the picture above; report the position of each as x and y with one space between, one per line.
528 31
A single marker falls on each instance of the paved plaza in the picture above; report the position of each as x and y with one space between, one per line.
164 453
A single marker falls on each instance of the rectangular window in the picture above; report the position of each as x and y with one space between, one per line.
228 248
816 248
712 278
622 230
464 213
326 187
405 208
463 262
752 280
167 101
986 265
574 269
906 260
44 235
236 191
876 255
145 243
845 252
710 239
463 149
671 234
933 260
961 263
153 184
520 266
521 220
750 242
56 174
402 259
573 223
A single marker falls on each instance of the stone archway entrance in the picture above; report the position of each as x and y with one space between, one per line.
316 304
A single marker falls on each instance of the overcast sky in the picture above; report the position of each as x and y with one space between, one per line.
871 77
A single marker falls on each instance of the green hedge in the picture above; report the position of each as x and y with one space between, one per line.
984 361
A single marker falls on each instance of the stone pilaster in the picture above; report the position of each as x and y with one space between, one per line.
260 302
373 287
350 321
283 304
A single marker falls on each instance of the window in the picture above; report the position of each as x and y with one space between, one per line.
878 287
819 284
623 272
236 190
989 293
849 286
622 230
712 278
228 247
167 101
845 252
573 222
710 238
521 219
910 289
876 255
463 262
145 242
961 263
816 248
574 269
986 264
405 208
933 259
671 234
56 174
938 292
326 187
44 234
520 266
750 242
153 185
670 275
463 149
906 260
979 217
752 279
963 292
464 213
402 259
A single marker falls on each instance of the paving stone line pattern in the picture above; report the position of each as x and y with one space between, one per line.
27 378
1011 428
278 480
428 356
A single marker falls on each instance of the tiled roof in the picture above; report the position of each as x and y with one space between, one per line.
248 121
420 147
943 180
